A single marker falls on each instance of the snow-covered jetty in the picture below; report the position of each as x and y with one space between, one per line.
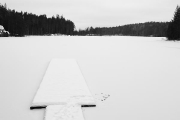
63 91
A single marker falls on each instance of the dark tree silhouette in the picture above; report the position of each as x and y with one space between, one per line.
20 24
173 32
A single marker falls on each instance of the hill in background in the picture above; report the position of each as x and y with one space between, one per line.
153 29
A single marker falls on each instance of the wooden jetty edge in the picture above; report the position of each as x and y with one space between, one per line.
63 91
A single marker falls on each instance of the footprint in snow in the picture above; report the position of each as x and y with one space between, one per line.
102 96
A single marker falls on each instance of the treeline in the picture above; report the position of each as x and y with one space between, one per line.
156 29
173 32
23 23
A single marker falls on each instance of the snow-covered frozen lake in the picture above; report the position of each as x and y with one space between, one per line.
132 78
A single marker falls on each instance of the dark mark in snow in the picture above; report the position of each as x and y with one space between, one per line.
37 107
88 105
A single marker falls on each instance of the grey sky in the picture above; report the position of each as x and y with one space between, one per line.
99 13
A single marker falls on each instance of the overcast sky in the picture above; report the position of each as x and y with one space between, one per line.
99 13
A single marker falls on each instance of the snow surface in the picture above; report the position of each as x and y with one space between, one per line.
132 78
64 112
63 82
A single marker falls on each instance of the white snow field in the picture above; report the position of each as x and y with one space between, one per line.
131 78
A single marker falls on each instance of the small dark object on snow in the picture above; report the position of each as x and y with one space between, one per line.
37 107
